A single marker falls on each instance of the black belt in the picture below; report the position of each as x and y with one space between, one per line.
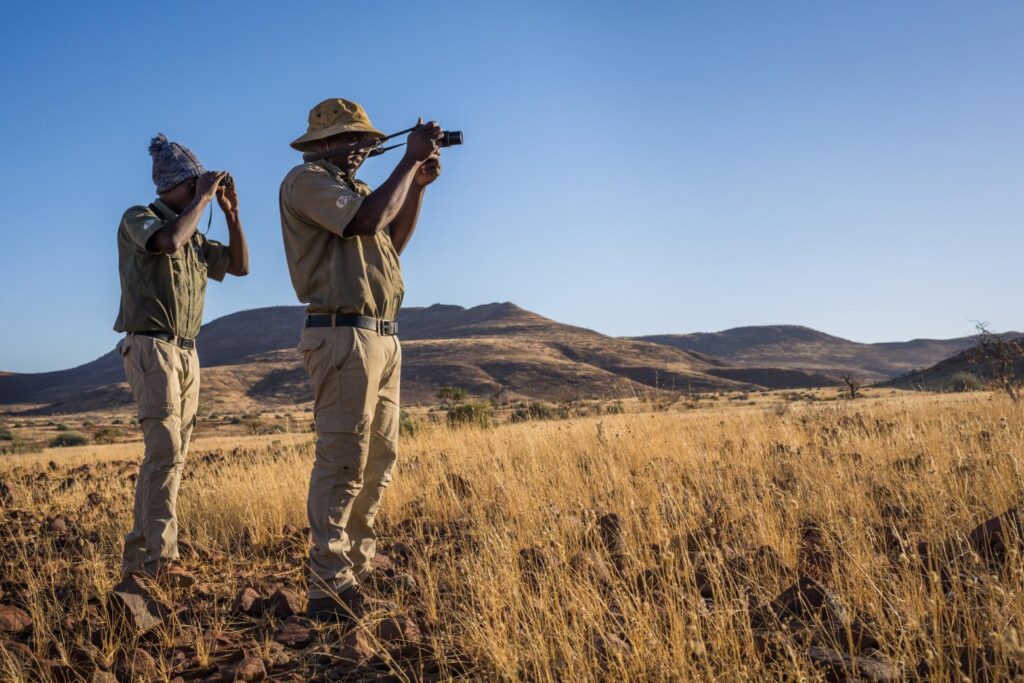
388 327
183 342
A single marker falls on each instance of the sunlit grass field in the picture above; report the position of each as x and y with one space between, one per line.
645 546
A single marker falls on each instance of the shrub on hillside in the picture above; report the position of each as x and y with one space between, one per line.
472 413
68 439
6 434
109 435
407 425
964 381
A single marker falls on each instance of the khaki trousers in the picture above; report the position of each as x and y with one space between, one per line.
355 376
164 380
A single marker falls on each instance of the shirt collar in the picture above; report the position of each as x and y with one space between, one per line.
163 210
336 172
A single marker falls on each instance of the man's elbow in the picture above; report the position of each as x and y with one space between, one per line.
239 271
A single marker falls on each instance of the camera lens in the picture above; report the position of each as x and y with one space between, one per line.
451 137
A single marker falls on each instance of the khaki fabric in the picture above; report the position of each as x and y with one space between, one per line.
355 375
164 380
357 275
334 116
164 292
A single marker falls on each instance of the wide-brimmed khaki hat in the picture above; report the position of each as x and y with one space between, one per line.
334 116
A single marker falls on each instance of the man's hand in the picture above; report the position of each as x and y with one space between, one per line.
227 198
207 183
428 171
422 143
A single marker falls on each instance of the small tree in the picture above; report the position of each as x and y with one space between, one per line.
449 396
1004 360
853 384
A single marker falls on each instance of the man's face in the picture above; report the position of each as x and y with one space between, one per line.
350 161
181 195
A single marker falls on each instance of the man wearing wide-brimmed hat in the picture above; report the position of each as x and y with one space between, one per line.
342 241
164 263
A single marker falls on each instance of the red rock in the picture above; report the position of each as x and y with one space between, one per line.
140 665
284 603
838 666
248 601
355 647
249 669
294 636
14 621
399 628
135 606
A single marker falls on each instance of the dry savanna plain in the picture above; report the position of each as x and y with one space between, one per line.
778 538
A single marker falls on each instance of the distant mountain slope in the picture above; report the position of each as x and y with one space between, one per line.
948 373
801 348
249 359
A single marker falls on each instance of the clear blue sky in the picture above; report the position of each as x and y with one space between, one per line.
636 168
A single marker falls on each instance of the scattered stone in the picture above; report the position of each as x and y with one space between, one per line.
67 484
533 562
57 525
355 647
809 602
94 498
840 667
591 564
294 636
55 670
248 602
993 538
140 665
13 620
815 559
399 628
249 669
284 603
608 646
609 526
135 606
6 497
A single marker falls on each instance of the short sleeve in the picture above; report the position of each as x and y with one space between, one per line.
217 257
324 201
140 224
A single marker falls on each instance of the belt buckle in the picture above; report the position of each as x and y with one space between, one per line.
386 327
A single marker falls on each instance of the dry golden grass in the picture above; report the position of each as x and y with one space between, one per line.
875 477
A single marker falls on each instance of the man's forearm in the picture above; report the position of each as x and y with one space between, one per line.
381 207
178 231
404 224
237 246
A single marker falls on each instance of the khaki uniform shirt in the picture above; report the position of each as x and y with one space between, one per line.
164 292
357 275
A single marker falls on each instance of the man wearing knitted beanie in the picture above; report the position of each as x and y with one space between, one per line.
164 263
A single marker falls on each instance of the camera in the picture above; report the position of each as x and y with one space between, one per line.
449 138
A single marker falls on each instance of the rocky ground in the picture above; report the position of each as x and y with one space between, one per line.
872 584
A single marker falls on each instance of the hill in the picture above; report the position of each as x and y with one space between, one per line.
802 348
966 369
496 349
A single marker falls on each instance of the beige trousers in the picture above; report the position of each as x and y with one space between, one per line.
355 376
164 380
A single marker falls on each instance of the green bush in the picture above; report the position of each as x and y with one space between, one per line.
615 408
69 439
407 425
109 435
18 446
117 421
451 394
964 381
63 427
6 434
473 413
